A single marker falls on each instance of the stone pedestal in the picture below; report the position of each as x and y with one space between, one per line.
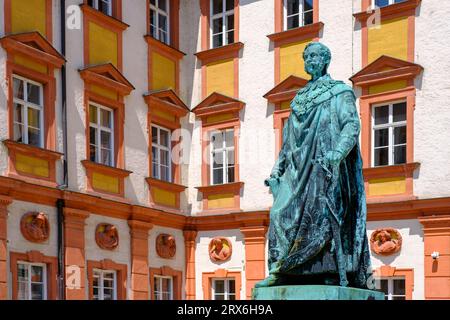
315 292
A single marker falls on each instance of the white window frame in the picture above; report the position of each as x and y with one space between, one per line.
101 288
224 14
390 126
29 282
390 2
301 14
31 105
159 147
157 295
224 149
95 5
227 293
158 12
100 128
390 281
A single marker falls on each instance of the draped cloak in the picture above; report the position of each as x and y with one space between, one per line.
310 193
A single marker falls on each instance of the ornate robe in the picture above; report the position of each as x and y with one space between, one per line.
310 195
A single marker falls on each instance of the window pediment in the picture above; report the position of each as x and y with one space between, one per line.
106 75
167 100
404 8
217 103
286 90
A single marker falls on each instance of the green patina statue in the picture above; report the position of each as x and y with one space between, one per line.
317 232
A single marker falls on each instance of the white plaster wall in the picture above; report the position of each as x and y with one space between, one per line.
204 264
432 112
410 256
120 255
17 243
3 97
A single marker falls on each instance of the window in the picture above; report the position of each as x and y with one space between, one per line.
104 285
159 20
393 288
101 131
28 112
224 289
222 156
222 22
298 13
161 154
104 6
163 288
389 134
384 3
32 281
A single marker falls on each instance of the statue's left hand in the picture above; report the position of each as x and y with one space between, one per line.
334 157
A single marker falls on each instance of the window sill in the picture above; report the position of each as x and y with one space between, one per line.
399 9
32 164
168 49
297 34
403 170
225 52
111 21
165 195
104 180
221 198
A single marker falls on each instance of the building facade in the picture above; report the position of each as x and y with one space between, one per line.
136 136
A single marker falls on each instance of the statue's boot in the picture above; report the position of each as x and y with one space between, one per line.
274 279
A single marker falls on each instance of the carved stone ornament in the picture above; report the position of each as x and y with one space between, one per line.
35 226
107 236
166 246
220 249
385 241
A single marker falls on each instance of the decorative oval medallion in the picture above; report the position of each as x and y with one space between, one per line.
385 241
220 249
35 226
107 236
166 246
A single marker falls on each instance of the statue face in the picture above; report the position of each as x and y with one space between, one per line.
314 61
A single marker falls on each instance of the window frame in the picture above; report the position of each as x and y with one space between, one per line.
157 279
390 280
390 126
99 128
158 11
301 13
390 2
224 149
226 293
25 105
161 147
29 281
101 288
223 15
95 5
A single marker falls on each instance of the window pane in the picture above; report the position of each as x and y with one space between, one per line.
381 137
154 135
217 25
292 6
381 3
217 140
229 137
230 5
34 137
217 6
230 157
166 296
37 291
153 30
105 118
37 274
400 135
162 22
34 94
292 22
399 112
164 138
108 294
382 115
218 176
18 88
33 117
18 123
219 297
165 285
22 272
106 157
22 293
230 22
217 40
232 297
106 139
108 283
162 4
231 286
93 114
307 5
164 160
230 37
399 154
153 2
104 6
93 135
308 18
218 159
93 153
381 157
384 286
399 287
18 132
220 286
155 155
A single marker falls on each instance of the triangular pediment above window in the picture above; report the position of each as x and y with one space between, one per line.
285 90
217 103
33 45
106 75
384 69
168 101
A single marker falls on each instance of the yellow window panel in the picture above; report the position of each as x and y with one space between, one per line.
102 45
164 197
389 86
291 60
387 186
163 72
105 183
31 165
220 77
30 64
29 15
221 201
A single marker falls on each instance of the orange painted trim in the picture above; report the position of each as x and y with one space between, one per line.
34 257
116 10
121 276
408 274
233 188
161 47
207 278
92 167
220 53
190 237
286 90
5 201
298 34
168 186
15 148
167 271
174 20
107 76
279 14
98 16
278 118
216 104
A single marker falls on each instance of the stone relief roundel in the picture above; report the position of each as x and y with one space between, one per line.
220 249
385 241
107 236
35 226
166 246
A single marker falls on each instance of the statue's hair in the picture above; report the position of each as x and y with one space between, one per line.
324 51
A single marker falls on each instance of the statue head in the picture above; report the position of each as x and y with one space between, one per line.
317 58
